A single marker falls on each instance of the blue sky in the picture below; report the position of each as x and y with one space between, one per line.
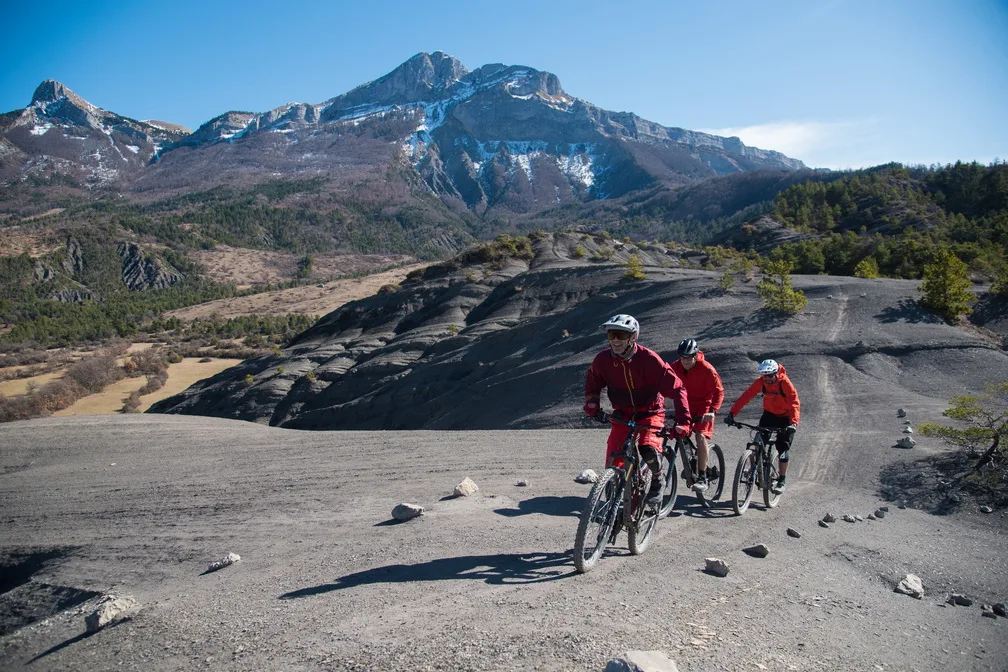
838 84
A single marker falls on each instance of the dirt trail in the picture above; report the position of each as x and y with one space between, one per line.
140 505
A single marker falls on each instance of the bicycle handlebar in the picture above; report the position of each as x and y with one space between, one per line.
770 430
604 417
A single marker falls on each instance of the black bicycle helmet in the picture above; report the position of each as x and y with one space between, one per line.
688 347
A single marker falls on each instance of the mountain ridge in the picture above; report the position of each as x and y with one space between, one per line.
497 139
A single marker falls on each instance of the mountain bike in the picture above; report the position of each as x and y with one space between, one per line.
687 452
758 467
617 500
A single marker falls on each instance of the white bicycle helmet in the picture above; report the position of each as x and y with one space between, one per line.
622 322
767 367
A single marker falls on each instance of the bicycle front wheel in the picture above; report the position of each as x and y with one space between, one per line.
745 481
715 476
771 472
597 521
671 485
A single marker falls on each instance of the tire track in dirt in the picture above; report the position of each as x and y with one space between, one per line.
820 463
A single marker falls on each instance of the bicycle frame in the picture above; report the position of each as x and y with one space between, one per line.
627 465
761 443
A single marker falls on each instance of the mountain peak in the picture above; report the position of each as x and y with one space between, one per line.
50 91
437 69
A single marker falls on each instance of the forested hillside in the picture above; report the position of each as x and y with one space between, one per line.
892 220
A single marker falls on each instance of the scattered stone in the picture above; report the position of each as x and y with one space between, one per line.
791 532
829 518
911 585
906 442
901 505
954 499
960 600
986 509
406 511
1001 610
908 430
716 566
849 518
111 609
641 661
521 484
586 476
871 516
823 523
884 509
879 513
989 614
757 551
858 518
465 488
228 559
901 413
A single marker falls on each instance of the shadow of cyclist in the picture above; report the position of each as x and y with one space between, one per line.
506 568
551 506
687 505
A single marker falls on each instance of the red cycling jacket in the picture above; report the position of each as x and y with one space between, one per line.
780 398
638 384
703 386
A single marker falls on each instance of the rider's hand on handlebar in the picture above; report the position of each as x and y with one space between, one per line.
591 409
729 419
707 417
681 431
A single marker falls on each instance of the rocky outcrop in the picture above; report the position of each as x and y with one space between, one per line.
481 342
140 272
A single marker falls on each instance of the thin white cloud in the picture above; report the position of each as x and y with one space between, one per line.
826 144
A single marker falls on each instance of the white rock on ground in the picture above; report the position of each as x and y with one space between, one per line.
586 476
110 610
911 585
757 550
906 442
228 559
465 488
407 511
641 661
716 566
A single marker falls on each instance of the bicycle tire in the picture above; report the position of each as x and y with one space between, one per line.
715 476
600 509
745 480
671 486
640 538
771 472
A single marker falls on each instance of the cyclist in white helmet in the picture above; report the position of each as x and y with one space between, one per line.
781 408
637 381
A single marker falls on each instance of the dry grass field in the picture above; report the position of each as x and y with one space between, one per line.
308 299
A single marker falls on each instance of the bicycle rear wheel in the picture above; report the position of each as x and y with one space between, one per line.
597 521
771 472
715 476
671 485
745 481
646 517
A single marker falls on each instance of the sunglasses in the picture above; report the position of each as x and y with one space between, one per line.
618 335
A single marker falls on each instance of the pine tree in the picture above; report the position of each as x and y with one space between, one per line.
946 286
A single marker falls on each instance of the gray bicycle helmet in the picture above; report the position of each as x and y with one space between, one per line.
767 367
622 322
688 347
